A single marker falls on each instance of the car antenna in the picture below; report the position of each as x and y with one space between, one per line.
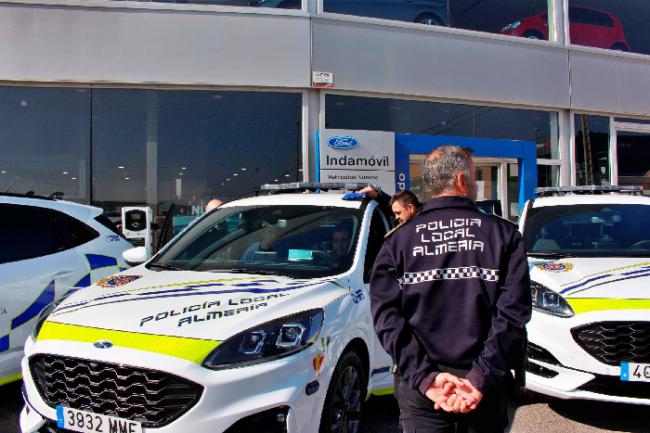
11 183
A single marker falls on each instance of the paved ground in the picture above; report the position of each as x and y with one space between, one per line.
532 414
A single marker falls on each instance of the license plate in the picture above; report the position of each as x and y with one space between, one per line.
88 422
634 372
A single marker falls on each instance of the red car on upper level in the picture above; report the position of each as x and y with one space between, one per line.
587 26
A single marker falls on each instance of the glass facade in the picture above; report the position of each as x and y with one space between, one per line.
284 4
45 141
148 147
508 17
591 149
433 118
633 159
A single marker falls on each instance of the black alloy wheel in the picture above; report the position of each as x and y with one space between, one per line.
533 34
345 397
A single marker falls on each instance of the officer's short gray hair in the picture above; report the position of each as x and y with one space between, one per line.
443 164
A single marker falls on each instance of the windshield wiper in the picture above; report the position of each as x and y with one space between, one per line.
164 266
252 271
550 255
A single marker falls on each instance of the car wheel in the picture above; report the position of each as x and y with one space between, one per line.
620 47
345 397
532 34
429 20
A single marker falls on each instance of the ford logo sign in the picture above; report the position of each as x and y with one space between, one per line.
342 142
103 344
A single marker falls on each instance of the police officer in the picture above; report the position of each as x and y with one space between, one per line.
450 298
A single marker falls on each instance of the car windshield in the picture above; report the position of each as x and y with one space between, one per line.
598 230
296 241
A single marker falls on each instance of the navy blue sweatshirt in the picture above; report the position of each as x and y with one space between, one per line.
450 288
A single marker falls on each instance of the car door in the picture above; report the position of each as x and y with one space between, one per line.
37 266
381 377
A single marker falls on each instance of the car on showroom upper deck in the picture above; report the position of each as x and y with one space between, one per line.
429 12
587 26
256 315
589 259
48 247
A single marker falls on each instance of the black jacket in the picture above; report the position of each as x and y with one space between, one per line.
450 288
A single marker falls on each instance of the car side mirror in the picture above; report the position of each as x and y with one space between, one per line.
135 256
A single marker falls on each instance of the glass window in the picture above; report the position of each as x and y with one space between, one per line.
591 149
375 241
296 241
44 141
610 25
283 4
633 155
187 147
510 17
432 118
548 175
35 232
598 230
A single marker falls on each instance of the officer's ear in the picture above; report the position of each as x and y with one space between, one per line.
461 184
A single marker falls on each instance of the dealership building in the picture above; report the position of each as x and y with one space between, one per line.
117 103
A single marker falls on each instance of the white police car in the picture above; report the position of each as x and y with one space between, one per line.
589 259
48 247
254 319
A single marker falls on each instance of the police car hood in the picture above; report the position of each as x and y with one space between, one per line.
189 304
594 278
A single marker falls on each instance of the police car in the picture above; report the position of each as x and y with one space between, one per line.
48 246
255 319
589 259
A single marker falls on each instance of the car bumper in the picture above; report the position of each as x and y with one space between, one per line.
228 396
559 367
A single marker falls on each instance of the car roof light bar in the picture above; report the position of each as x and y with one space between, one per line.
589 189
313 186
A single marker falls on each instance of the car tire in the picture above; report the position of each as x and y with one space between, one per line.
620 47
429 20
533 34
345 397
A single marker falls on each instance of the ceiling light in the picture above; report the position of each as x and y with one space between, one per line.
183 168
64 172
120 167
243 169
23 103
228 180
235 174
74 178
127 178
287 175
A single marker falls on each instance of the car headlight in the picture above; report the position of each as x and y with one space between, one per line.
272 340
548 301
511 26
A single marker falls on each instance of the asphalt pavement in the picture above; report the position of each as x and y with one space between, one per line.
528 414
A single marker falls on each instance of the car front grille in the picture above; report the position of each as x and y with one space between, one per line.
615 342
151 397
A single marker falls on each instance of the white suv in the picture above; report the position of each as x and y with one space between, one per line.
589 259
255 318
48 247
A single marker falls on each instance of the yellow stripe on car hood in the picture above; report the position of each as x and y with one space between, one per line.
586 305
191 349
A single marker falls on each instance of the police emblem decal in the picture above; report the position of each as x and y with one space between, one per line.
117 281
555 267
